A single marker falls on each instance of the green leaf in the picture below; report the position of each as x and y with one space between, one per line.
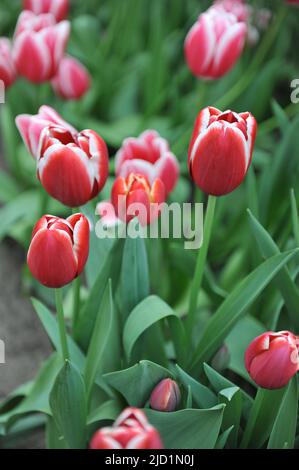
222 439
108 411
8 188
68 405
232 398
188 429
25 206
284 429
104 349
236 305
54 440
136 383
201 394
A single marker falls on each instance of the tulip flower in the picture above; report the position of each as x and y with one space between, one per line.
39 45
131 430
150 156
72 168
59 249
214 43
31 127
166 396
7 68
239 8
271 359
293 2
58 8
72 80
220 150
135 196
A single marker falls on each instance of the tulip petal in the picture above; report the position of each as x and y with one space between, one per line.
32 57
80 226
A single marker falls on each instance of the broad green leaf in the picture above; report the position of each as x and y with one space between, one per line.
108 411
201 395
222 439
69 407
8 187
236 305
284 429
188 429
280 115
24 206
232 398
136 383
54 440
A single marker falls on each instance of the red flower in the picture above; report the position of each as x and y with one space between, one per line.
39 45
59 249
272 359
220 150
7 68
72 80
214 43
134 196
148 155
239 8
131 430
166 396
58 8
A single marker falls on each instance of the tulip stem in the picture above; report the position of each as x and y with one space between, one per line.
256 407
200 264
76 292
61 324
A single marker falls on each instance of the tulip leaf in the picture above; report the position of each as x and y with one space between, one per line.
285 284
136 383
232 398
222 439
8 187
69 406
24 206
108 411
236 305
54 439
188 429
201 394
284 429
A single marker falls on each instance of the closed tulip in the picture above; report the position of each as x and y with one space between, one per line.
72 168
149 155
239 8
135 196
31 126
131 430
39 45
272 359
220 150
58 8
72 80
59 249
166 396
214 43
7 68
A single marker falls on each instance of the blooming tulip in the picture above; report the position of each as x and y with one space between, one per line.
72 80
134 195
150 156
59 249
7 68
166 396
214 43
39 45
58 8
272 359
31 127
72 168
220 150
131 430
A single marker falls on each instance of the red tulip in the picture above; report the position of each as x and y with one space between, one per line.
214 43
31 127
58 8
166 396
239 8
131 430
293 2
72 168
134 196
72 80
7 68
39 45
148 155
59 249
272 359
220 150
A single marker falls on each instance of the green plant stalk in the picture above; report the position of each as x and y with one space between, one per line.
61 324
257 405
76 293
295 216
200 264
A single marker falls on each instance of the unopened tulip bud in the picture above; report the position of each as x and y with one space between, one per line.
166 396
7 68
221 359
72 80
271 359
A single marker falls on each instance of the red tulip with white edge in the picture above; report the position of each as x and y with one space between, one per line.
72 80
7 69
59 249
131 430
149 155
220 150
214 43
239 8
58 8
39 45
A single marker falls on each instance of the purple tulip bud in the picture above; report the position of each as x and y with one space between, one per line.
166 396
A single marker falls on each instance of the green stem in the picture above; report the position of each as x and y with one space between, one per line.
61 324
256 407
294 216
200 264
76 292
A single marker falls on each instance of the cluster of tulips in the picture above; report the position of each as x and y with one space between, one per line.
73 167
